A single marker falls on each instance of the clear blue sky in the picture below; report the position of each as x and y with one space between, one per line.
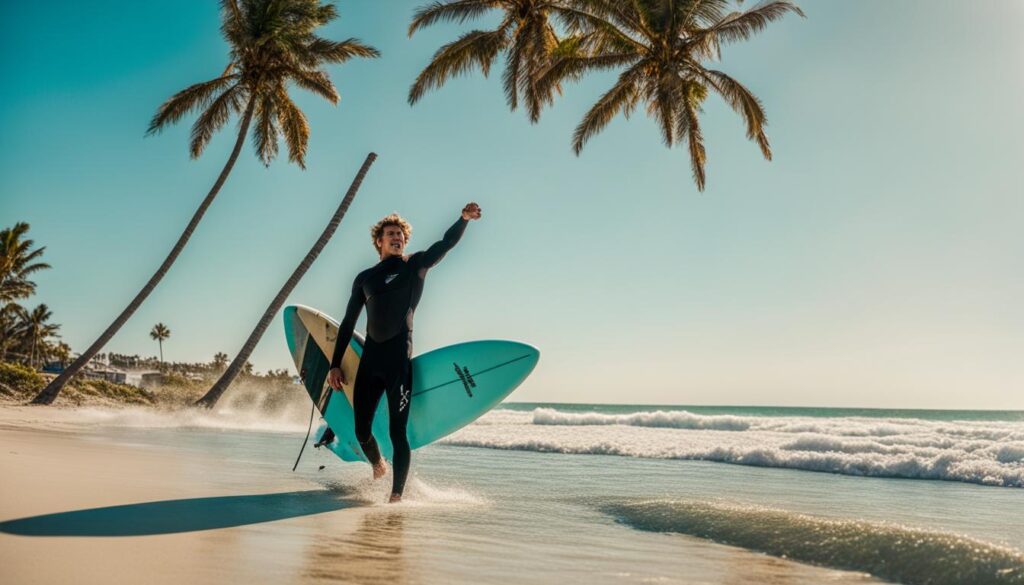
877 261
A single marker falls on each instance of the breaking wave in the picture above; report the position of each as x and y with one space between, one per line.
890 551
982 452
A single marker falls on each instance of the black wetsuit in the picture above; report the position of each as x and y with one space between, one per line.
390 290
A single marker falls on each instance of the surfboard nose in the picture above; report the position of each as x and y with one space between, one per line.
289 316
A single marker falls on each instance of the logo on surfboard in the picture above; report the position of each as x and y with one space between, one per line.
467 379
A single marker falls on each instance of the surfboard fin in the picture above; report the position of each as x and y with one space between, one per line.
325 438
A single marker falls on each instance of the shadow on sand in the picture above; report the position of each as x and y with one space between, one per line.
172 516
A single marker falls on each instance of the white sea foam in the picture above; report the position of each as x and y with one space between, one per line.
983 452
418 493
227 418
661 419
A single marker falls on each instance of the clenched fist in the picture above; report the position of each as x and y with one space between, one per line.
471 211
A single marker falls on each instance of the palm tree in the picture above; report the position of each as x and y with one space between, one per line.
12 327
18 261
662 48
241 360
220 360
160 332
525 34
60 351
37 330
272 45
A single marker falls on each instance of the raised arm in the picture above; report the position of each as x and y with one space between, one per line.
432 255
348 323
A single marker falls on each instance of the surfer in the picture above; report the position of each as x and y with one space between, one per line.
390 290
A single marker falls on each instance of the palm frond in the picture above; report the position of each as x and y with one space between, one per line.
572 67
740 26
265 130
295 128
661 105
540 41
213 119
458 11
317 82
604 24
607 106
234 25
510 77
696 142
744 103
473 49
609 15
703 13
191 98
327 51
325 13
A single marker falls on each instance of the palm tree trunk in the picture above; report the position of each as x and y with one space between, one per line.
214 394
161 342
49 394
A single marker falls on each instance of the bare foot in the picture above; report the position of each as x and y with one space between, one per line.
380 469
395 499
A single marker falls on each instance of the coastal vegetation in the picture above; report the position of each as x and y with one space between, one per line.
26 335
180 385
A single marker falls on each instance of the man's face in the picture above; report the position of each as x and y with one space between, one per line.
392 241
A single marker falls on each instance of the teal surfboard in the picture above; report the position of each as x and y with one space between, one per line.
451 386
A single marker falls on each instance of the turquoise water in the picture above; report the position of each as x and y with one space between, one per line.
545 493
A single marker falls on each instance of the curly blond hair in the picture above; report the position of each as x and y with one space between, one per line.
394 219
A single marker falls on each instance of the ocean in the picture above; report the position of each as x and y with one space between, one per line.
559 493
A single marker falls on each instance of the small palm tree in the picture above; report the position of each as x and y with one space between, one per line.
220 360
13 333
525 34
31 333
18 261
273 45
662 48
160 332
61 352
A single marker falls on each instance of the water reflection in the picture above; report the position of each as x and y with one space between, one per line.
373 553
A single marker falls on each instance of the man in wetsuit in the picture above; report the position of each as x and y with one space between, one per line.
390 290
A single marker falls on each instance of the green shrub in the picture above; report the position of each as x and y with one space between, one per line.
19 379
122 393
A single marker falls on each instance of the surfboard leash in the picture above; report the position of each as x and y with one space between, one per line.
308 430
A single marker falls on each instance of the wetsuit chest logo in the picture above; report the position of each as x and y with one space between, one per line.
390 277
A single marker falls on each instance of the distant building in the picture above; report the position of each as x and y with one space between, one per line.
145 379
106 373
